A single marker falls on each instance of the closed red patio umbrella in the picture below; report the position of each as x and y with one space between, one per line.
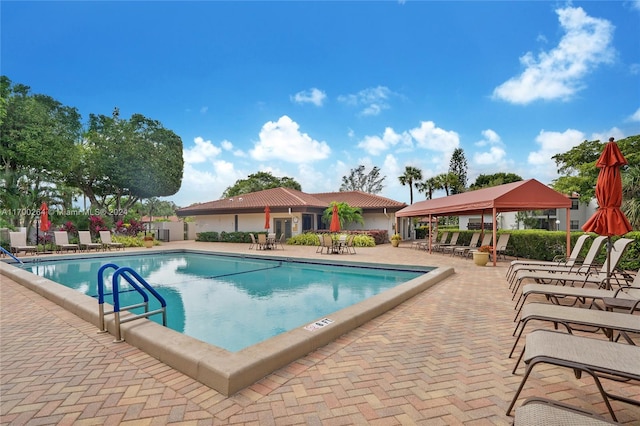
44 218
267 217
335 220
608 219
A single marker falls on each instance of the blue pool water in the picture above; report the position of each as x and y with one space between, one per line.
234 302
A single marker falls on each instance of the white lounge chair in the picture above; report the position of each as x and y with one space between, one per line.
18 243
587 264
61 239
537 411
558 261
570 317
86 243
628 291
599 279
105 238
594 357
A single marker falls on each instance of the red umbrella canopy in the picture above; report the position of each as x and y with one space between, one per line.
267 217
335 220
609 219
44 217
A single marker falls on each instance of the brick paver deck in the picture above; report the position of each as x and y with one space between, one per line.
438 359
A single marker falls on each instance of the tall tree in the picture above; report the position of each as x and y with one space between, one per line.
578 170
458 166
121 161
631 195
37 149
259 182
359 181
486 181
428 187
412 176
447 181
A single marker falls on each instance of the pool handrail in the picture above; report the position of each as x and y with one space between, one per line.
5 251
128 274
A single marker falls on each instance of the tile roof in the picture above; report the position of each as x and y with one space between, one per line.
284 198
359 199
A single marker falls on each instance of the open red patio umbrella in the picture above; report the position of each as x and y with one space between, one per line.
608 219
335 220
267 217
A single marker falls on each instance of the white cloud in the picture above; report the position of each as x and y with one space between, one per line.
204 110
604 136
313 96
551 143
635 116
282 140
201 151
374 100
558 73
375 145
494 156
430 137
205 185
490 137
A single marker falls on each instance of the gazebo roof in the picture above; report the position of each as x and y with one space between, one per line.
517 196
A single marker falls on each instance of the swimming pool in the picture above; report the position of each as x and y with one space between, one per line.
225 371
234 302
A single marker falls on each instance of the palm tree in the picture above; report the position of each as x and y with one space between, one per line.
447 181
411 175
428 186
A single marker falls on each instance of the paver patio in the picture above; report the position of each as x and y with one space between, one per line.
440 358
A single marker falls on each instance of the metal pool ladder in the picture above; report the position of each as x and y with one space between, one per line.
140 285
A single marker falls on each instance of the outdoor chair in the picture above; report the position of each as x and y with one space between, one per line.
443 248
86 243
601 278
630 294
587 264
439 244
328 243
557 261
18 243
279 243
462 249
416 244
61 239
466 250
570 317
253 241
537 411
350 247
320 247
501 246
594 357
262 242
424 243
105 238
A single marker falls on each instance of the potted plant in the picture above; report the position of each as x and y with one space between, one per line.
148 240
395 239
481 256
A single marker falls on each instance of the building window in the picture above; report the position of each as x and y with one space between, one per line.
575 225
574 204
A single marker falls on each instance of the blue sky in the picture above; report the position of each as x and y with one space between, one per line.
311 90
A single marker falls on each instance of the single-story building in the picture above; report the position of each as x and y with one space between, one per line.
292 212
